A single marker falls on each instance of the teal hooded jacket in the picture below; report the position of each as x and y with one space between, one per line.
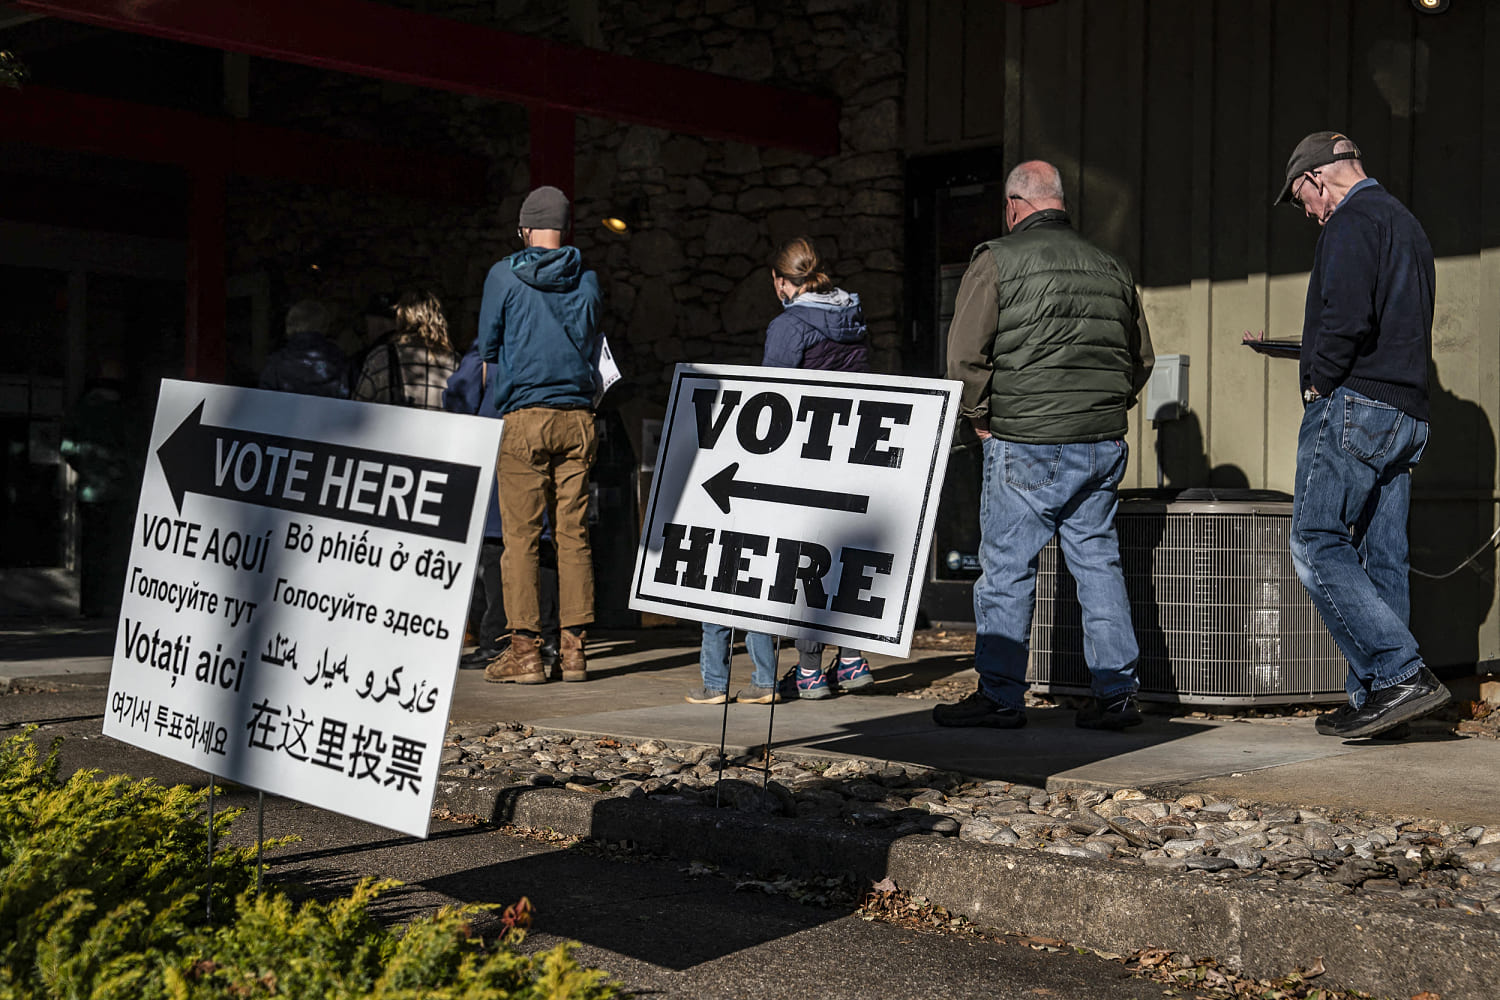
539 327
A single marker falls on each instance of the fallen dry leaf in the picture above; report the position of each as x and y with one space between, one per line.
1043 942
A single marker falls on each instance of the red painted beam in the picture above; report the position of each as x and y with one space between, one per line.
63 120
552 149
375 40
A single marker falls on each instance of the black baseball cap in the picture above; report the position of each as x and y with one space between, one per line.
1316 150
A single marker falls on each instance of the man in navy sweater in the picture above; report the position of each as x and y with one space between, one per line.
1366 346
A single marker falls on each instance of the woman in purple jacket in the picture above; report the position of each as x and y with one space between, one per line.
820 327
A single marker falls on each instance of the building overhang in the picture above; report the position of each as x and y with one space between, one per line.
389 43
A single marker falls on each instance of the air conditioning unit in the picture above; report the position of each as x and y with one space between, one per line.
1218 610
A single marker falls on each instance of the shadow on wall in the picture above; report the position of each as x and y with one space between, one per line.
1182 458
1452 514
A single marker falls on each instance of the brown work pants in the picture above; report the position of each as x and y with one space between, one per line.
545 458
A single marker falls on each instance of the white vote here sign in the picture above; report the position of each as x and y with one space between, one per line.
299 575
799 503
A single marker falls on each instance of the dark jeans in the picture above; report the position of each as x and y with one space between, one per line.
487 606
810 654
1355 456
104 530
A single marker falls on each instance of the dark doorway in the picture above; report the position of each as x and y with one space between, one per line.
956 202
33 391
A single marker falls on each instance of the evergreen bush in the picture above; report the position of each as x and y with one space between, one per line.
101 897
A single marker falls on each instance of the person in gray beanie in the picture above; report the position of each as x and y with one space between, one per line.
538 331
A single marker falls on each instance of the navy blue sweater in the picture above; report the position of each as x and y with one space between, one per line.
1368 322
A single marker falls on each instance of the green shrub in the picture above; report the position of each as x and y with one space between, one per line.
101 896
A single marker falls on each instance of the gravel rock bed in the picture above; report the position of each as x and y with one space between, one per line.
1419 861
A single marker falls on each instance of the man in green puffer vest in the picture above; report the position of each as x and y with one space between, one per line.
1050 343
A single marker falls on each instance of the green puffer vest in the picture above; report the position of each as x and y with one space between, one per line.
1062 362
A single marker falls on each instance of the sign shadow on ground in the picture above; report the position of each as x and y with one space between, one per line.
1049 746
675 923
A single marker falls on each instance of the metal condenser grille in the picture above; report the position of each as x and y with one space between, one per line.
1217 607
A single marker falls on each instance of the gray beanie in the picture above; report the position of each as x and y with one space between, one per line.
545 208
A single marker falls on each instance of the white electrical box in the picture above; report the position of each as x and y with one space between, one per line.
1167 389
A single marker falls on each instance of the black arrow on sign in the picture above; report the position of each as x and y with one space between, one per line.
332 480
723 486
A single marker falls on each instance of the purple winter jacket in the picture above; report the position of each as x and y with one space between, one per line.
824 331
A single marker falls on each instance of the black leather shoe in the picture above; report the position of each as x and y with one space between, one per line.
479 658
1328 724
979 709
1389 707
1116 713
1340 716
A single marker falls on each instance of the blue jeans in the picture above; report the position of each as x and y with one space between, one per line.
713 657
1354 461
1032 491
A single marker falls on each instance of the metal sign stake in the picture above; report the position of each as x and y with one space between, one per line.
260 837
208 897
765 778
724 728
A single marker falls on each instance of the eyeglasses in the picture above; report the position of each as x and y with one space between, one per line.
1297 186
1017 197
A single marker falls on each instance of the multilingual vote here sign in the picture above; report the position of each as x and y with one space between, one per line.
799 503
294 607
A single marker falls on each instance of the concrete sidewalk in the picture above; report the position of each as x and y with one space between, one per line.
636 692
638 679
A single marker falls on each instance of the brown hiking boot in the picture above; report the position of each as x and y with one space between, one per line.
521 663
574 663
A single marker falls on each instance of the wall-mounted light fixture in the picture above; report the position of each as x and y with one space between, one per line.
626 216
1430 6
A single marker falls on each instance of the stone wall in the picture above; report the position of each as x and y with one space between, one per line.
689 282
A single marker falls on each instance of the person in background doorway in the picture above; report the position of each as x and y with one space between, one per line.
538 330
413 366
466 393
820 327
308 363
1366 349
1050 343
105 442
378 322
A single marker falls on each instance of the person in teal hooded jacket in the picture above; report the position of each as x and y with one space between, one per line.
539 329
